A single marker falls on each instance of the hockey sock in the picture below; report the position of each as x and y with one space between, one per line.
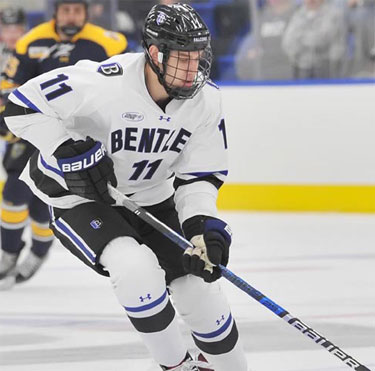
42 238
204 308
13 221
40 248
11 240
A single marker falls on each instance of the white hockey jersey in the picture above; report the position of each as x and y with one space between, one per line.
109 102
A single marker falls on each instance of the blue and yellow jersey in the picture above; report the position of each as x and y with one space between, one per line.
41 50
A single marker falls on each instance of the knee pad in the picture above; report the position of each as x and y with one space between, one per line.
193 298
205 309
135 272
139 284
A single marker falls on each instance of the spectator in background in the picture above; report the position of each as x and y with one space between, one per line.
12 27
315 40
100 13
231 21
62 41
363 24
260 55
130 18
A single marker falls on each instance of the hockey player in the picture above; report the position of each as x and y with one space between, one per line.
12 27
62 41
152 125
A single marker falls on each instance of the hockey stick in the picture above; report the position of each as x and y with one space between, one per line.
122 200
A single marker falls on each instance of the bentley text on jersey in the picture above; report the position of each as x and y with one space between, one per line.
149 140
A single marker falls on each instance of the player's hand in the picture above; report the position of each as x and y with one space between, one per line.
87 169
211 240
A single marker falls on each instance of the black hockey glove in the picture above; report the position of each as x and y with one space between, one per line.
87 169
211 238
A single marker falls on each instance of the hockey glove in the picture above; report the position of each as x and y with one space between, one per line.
87 169
211 238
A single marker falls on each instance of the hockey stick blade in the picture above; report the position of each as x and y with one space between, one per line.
122 200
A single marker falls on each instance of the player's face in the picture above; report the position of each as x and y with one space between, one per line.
182 68
71 15
10 34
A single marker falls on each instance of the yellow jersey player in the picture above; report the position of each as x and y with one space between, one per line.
67 38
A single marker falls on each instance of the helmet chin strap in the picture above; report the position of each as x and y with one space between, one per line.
160 57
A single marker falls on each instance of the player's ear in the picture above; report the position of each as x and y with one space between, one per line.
154 50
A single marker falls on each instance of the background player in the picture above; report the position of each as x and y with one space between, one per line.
161 121
64 40
12 27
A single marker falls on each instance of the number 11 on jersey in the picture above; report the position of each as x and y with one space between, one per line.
62 89
222 129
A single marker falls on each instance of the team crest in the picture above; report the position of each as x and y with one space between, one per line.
161 18
110 69
96 223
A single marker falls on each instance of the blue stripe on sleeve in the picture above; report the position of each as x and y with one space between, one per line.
49 167
25 100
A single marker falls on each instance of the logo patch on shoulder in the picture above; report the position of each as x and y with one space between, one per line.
110 69
96 223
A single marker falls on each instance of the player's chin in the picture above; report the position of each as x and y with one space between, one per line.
188 84
183 84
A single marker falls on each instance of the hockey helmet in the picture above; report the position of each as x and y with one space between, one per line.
11 16
59 2
180 28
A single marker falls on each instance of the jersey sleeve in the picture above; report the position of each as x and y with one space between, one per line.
202 168
56 97
19 69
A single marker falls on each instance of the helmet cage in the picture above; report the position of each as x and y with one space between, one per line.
192 46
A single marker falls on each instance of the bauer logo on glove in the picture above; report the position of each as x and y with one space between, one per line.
84 161
87 169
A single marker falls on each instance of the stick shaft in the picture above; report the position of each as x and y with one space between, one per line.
180 241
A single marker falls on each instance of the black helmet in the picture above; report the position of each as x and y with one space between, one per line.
84 2
12 16
178 27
